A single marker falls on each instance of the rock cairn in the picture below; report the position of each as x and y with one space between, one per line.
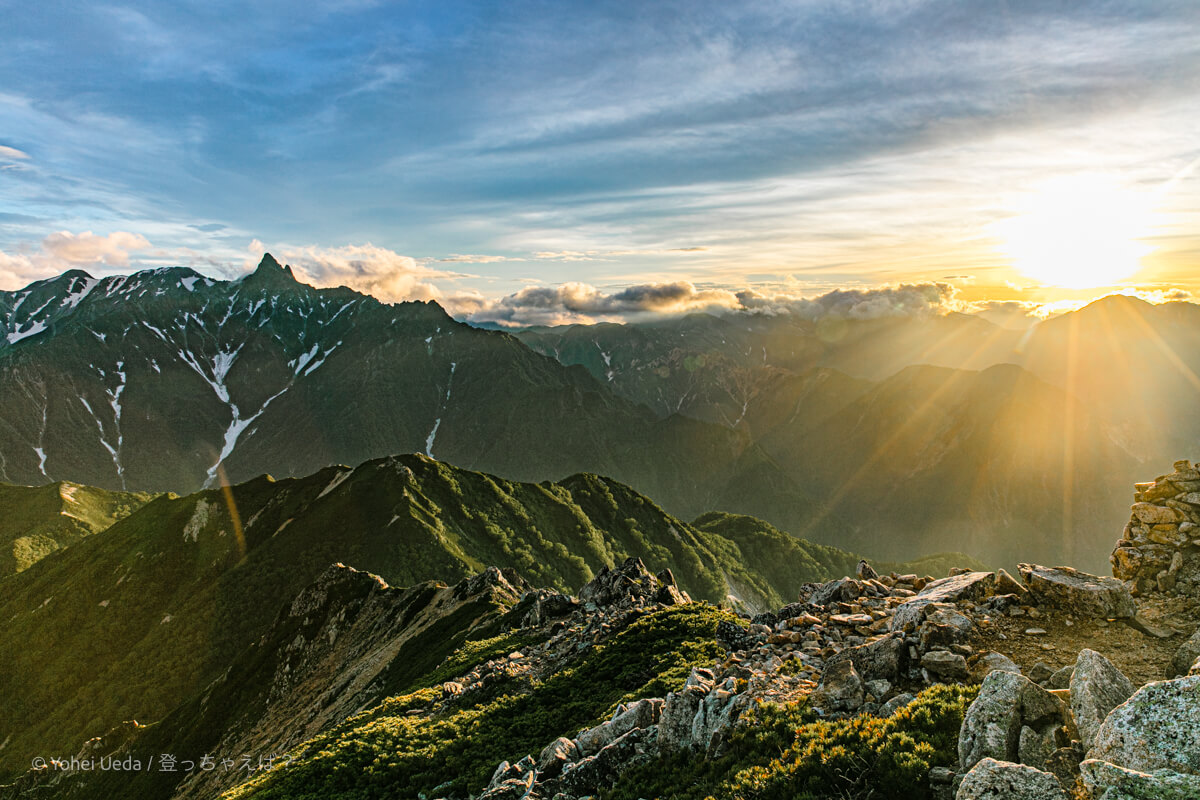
1160 548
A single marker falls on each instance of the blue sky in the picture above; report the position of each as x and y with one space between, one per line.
459 149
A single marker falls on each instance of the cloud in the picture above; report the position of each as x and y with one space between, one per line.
88 248
899 301
366 268
572 303
1007 313
12 154
460 258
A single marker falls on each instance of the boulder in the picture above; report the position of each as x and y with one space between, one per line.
733 636
640 714
1078 592
1105 781
945 665
882 659
1002 780
1185 656
991 661
1097 687
974 586
555 756
593 774
1061 679
843 590
944 626
1035 748
841 689
992 725
716 717
1157 728
631 581
895 704
678 713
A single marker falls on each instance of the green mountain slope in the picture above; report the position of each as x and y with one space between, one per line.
36 521
125 624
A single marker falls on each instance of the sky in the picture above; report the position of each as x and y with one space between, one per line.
560 156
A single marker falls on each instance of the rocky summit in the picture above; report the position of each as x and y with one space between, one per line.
884 684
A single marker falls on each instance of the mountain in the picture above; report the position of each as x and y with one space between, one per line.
162 601
916 432
36 521
166 380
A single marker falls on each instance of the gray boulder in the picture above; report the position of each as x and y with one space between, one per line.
1078 592
895 704
1001 780
1097 687
678 713
1157 728
841 689
944 626
882 659
641 714
843 590
1185 656
990 662
992 725
1104 781
945 665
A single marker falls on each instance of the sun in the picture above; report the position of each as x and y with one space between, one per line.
1079 232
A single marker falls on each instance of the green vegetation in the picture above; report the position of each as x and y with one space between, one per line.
35 521
789 753
386 753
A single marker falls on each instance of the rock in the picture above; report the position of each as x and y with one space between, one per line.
1140 624
596 773
1001 780
992 725
1061 679
1063 764
678 713
640 714
974 586
1034 748
1097 687
1110 782
1157 728
884 658
1078 592
734 637
944 664
1155 515
557 754
878 688
990 662
1007 584
944 626
716 717
841 689
895 704
864 571
1040 672
843 590
1185 656
630 580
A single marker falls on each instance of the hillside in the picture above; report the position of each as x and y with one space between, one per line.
976 686
36 521
162 601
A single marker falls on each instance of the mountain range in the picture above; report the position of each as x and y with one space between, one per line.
897 435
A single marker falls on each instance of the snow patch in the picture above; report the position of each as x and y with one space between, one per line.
76 297
199 519
437 423
34 329
188 283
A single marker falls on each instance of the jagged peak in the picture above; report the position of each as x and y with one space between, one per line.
271 272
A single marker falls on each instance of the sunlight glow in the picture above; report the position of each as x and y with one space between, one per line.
1079 232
